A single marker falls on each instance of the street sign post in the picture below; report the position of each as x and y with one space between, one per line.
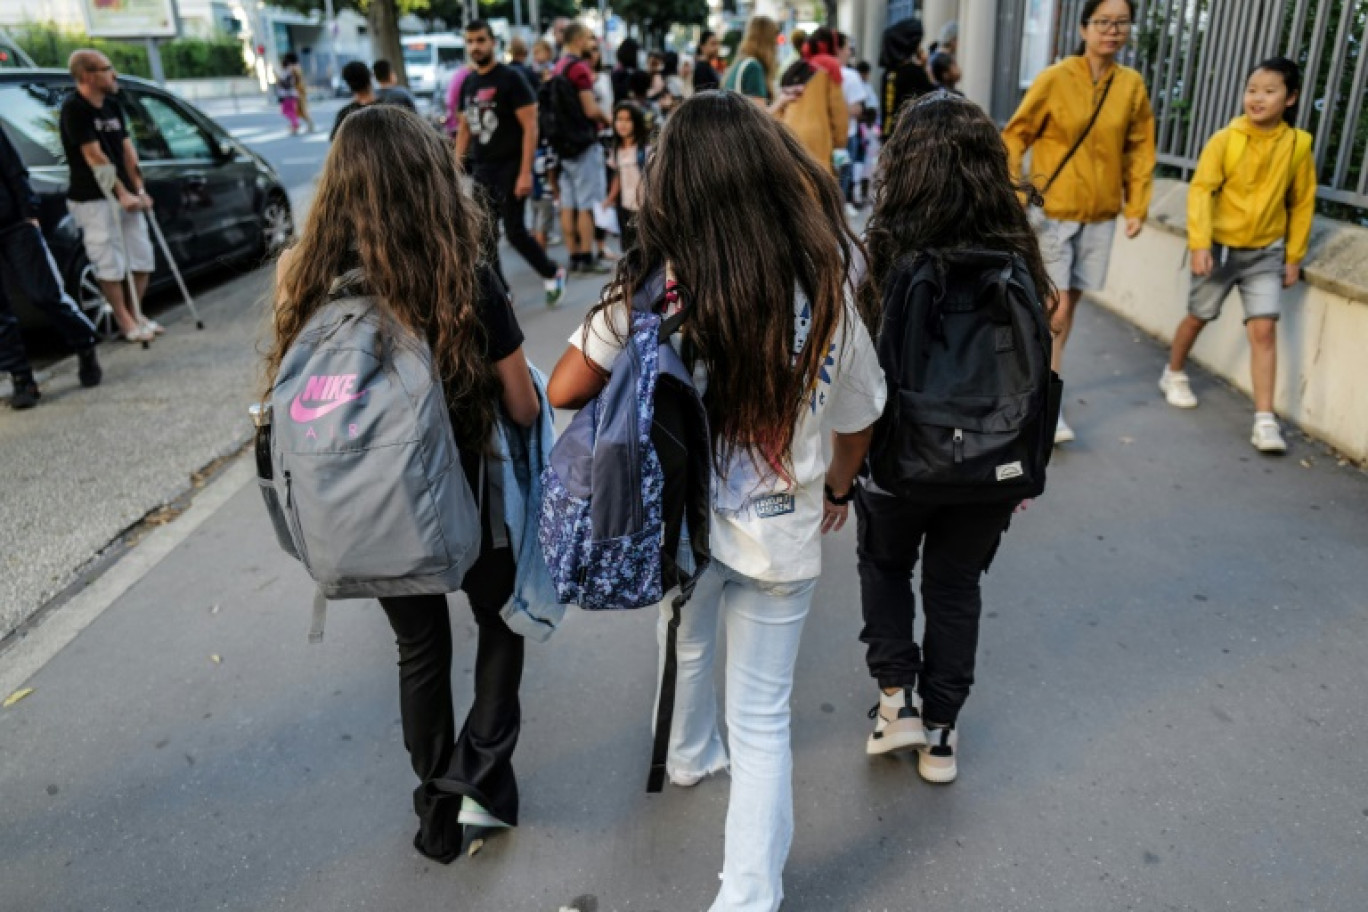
151 20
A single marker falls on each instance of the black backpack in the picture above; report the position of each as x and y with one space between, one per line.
972 401
560 116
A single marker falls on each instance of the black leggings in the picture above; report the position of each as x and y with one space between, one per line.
478 761
958 542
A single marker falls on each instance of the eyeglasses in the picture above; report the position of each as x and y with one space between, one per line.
1111 26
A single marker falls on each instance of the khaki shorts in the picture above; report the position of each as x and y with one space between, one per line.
112 260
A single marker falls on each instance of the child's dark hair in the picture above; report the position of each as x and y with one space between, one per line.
945 185
1291 77
640 134
1086 15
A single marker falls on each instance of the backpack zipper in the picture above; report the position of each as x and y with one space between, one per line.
958 442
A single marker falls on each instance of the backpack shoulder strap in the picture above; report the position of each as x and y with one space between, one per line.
1301 148
1236 144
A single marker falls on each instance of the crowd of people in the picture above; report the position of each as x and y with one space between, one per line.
780 310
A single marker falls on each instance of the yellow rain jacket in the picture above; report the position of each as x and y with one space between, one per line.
1115 164
1267 192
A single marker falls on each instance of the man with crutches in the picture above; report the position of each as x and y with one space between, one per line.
106 195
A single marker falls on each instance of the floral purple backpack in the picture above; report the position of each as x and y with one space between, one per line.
630 476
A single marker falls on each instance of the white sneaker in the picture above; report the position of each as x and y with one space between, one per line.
852 211
897 724
937 762
1267 436
1176 389
1063 433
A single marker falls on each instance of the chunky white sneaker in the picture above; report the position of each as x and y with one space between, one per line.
1267 436
1063 433
1177 390
937 762
897 723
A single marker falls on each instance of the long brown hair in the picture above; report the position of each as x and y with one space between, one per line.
761 41
745 217
390 203
946 185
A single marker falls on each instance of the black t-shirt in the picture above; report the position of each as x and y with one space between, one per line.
490 102
503 336
908 81
84 123
705 77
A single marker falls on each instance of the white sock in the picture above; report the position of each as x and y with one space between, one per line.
474 814
1264 416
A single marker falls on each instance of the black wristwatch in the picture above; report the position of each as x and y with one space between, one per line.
839 501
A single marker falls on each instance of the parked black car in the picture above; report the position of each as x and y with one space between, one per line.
216 200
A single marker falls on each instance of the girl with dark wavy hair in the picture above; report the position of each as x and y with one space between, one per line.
945 187
391 221
782 358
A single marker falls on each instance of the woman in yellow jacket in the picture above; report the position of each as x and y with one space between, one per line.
1093 98
818 116
1250 208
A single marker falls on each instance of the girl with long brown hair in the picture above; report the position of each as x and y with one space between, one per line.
756 68
782 358
391 221
945 190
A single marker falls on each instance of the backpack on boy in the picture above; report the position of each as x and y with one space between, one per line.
357 463
631 472
561 120
972 402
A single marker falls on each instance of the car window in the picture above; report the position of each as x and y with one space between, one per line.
29 117
182 136
450 56
418 54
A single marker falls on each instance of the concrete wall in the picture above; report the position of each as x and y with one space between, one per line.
201 89
1322 339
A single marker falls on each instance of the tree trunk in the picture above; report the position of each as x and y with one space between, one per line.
831 13
384 26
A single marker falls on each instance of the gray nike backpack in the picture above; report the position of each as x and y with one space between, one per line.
357 462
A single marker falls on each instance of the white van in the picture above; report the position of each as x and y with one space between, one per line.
426 56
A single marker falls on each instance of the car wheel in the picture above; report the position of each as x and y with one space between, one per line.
277 225
85 289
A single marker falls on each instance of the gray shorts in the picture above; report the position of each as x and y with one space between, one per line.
1256 271
583 181
112 260
543 216
1076 254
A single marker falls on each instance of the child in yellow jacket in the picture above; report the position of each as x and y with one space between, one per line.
1250 208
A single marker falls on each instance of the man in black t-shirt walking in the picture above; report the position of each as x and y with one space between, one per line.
498 128
101 159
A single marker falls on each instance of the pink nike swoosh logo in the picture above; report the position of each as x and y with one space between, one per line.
303 414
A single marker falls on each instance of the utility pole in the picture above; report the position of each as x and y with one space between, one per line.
330 17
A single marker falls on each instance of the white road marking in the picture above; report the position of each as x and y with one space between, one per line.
267 138
316 138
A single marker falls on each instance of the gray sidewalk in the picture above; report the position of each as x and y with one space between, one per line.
1168 714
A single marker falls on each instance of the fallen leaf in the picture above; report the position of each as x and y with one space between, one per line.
17 696
1305 464
214 610
1128 440
216 659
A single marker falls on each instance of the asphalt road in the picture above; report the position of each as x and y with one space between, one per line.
1168 714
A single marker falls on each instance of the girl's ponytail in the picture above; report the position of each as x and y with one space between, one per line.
1291 77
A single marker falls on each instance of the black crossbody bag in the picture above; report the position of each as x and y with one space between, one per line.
1068 156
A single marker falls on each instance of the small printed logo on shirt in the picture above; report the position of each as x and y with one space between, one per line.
773 505
1010 470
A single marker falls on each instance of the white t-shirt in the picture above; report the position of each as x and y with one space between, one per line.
761 526
629 175
853 88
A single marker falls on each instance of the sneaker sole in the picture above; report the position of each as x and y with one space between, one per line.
1187 404
892 742
936 775
1270 450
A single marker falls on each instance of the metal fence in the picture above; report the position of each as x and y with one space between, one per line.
1194 55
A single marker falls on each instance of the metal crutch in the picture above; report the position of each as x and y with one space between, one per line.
175 270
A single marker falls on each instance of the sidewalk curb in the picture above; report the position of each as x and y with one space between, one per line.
34 649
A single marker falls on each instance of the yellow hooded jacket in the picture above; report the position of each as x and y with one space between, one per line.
1267 196
1115 164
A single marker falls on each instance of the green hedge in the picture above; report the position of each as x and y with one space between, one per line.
185 58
